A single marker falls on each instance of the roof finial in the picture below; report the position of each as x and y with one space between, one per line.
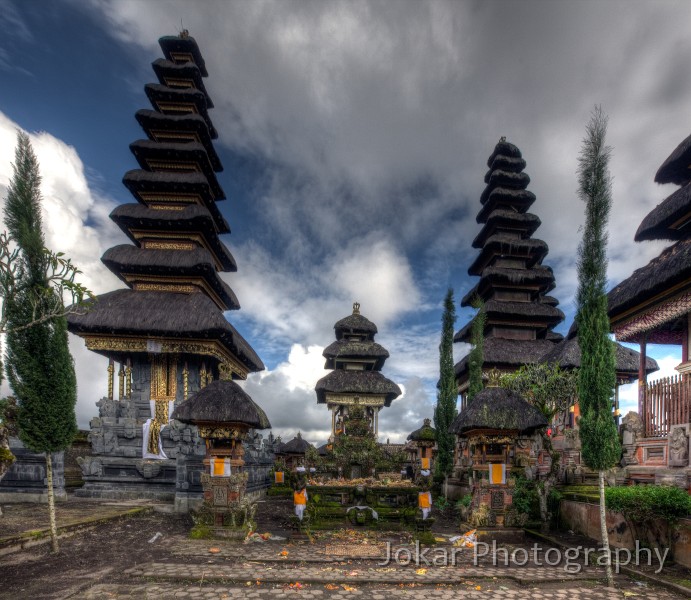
356 308
184 33
493 377
502 138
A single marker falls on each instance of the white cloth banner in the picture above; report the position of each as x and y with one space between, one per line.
146 430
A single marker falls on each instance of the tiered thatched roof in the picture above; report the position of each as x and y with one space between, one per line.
426 433
341 381
296 446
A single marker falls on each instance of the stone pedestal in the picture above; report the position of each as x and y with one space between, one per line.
26 479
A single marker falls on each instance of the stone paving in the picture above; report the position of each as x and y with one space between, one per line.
286 570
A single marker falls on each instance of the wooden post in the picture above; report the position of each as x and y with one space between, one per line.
642 382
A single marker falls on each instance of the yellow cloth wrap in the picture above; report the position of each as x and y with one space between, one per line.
278 475
160 419
425 463
219 467
154 437
496 474
299 497
424 500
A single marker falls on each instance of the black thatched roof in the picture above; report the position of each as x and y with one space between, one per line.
527 223
551 300
355 324
163 314
671 268
503 149
508 354
220 402
193 218
567 354
502 244
498 311
191 154
178 48
503 180
498 408
169 184
426 433
344 348
505 198
505 163
130 260
296 446
169 73
341 381
538 275
156 124
161 96
553 336
675 211
323 450
677 167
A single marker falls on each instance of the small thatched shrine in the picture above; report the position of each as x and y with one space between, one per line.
224 415
294 451
496 443
424 440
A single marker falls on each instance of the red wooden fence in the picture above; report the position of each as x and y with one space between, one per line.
667 403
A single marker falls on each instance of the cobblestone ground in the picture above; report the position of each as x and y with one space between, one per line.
221 570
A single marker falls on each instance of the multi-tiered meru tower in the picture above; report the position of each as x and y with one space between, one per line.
513 281
165 335
356 360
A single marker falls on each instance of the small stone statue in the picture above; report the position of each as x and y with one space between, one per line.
678 448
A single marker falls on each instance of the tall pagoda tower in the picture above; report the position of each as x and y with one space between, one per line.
165 335
513 281
356 379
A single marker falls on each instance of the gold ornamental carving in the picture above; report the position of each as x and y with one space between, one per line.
139 344
121 382
128 380
111 375
333 400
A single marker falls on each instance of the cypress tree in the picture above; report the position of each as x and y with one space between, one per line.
476 358
445 410
39 366
597 377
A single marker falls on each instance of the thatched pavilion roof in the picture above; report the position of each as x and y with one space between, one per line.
357 382
221 401
505 198
426 433
296 446
676 169
192 218
567 354
664 272
496 408
674 210
162 314
502 162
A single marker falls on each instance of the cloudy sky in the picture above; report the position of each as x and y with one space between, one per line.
354 137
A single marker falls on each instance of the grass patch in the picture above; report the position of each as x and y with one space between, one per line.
200 532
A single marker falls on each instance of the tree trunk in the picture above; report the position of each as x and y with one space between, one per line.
51 503
603 530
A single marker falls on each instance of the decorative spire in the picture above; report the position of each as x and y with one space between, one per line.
493 377
356 308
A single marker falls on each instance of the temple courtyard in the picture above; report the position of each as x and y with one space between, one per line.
137 549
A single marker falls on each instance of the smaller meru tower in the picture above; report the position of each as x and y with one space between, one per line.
356 360
165 334
513 281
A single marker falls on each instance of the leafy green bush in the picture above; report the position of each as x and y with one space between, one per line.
525 498
466 501
643 503
441 503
